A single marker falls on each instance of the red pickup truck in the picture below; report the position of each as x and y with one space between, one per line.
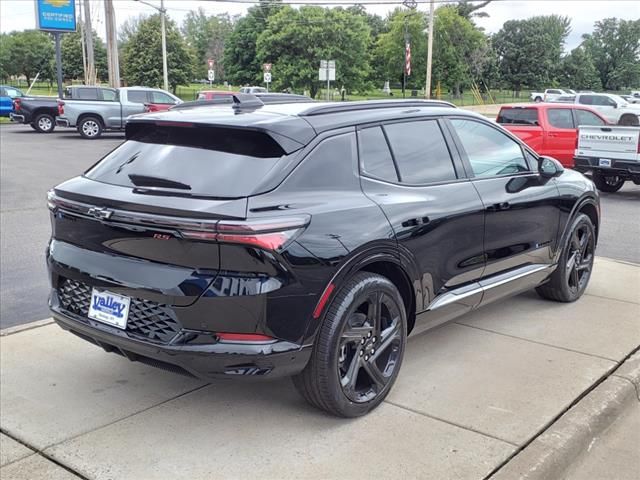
551 129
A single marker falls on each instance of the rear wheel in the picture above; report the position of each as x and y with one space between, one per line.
33 125
538 99
608 183
358 350
90 128
629 121
572 275
43 123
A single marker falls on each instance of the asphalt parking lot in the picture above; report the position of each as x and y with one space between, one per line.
32 163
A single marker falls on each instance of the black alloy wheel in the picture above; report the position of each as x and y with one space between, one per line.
370 346
571 277
358 349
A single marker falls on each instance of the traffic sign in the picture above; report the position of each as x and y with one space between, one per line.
267 77
211 62
212 75
266 68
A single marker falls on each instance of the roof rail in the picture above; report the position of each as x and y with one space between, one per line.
265 98
372 105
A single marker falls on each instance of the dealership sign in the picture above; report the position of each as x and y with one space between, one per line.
56 15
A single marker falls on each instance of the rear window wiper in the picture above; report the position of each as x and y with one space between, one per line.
150 181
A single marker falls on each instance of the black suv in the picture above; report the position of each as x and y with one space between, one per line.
309 239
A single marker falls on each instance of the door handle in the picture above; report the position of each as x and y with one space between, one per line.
497 207
414 222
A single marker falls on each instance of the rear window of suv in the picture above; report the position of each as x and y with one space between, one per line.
518 116
189 160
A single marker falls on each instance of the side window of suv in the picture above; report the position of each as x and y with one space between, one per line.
375 155
586 99
490 152
560 118
109 95
588 118
137 96
420 152
161 98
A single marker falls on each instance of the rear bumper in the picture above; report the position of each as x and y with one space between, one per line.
624 168
205 361
62 122
17 118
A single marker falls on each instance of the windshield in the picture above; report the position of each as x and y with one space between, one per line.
188 160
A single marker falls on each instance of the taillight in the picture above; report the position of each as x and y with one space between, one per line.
60 107
269 233
17 104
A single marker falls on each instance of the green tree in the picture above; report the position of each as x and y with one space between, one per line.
469 10
378 26
6 67
295 40
529 50
241 64
142 55
579 72
614 47
31 52
71 49
207 36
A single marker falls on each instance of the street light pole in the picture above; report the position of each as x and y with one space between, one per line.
427 90
163 14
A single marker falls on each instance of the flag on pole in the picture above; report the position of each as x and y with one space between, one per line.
407 59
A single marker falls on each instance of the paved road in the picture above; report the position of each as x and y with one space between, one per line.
32 163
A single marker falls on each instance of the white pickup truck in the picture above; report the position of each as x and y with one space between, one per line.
611 154
550 94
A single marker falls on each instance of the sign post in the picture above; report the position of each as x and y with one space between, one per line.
211 73
266 71
56 17
327 72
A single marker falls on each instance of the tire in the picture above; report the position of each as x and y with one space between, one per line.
538 99
347 375
608 183
570 279
44 123
629 121
90 128
33 125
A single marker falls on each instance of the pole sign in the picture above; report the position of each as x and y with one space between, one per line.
266 74
211 63
211 74
56 15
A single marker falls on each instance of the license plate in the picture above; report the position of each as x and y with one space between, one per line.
604 162
110 308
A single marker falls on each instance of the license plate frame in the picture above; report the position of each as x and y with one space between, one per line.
605 162
109 308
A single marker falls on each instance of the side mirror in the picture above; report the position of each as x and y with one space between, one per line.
549 167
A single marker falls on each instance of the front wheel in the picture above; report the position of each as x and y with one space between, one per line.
44 123
90 128
538 99
569 281
358 350
608 183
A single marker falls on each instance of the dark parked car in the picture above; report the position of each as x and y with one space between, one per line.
309 239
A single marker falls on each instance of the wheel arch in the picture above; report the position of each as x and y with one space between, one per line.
590 207
82 116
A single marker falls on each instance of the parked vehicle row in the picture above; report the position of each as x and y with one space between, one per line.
550 94
309 239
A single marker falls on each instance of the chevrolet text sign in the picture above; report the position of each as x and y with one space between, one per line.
56 15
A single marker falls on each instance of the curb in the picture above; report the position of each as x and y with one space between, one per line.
27 326
551 454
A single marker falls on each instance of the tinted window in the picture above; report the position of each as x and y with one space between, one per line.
375 155
554 92
560 117
588 118
87 93
137 96
210 161
109 95
159 97
490 151
420 152
12 92
586 99
518 116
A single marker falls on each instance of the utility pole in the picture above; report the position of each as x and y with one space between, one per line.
84 48
112 44
427 90
87 31
165 70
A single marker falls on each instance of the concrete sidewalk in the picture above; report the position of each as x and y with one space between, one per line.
471 394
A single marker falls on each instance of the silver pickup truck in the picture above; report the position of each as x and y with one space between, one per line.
92 117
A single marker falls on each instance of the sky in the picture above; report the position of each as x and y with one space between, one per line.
19 14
